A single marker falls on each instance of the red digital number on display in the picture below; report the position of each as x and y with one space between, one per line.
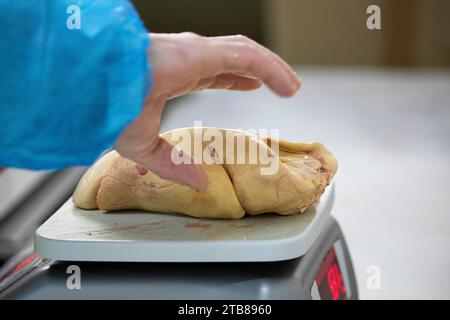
335 282
329 280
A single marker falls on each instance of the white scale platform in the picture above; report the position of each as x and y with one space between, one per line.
73 234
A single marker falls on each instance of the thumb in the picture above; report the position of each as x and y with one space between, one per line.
141 143
160 162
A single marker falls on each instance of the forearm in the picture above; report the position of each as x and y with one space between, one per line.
66 94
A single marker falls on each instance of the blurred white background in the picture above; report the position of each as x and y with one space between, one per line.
390 130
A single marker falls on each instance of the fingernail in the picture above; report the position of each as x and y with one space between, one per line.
200 187
298 80
200 183
203 186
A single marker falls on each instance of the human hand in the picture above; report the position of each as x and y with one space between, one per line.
186 62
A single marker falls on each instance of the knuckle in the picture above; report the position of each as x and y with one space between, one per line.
191 35
242 38
247 43
248 50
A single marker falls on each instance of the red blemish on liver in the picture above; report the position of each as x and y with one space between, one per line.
141 170
136 227
242 225
197 225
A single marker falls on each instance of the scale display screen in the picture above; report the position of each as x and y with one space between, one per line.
329 282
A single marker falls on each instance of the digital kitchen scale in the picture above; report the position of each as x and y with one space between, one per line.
137 255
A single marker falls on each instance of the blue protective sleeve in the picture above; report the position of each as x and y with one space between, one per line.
66 94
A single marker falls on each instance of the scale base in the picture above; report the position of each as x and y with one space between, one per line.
290 279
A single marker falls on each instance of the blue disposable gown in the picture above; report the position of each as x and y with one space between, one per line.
69 83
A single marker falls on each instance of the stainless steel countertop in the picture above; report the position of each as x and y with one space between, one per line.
390 130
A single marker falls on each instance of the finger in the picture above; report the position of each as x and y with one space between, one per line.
253 59
226 55
282 64
230 82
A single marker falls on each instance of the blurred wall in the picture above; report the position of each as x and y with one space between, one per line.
206 17
431 32
324 32
413 32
